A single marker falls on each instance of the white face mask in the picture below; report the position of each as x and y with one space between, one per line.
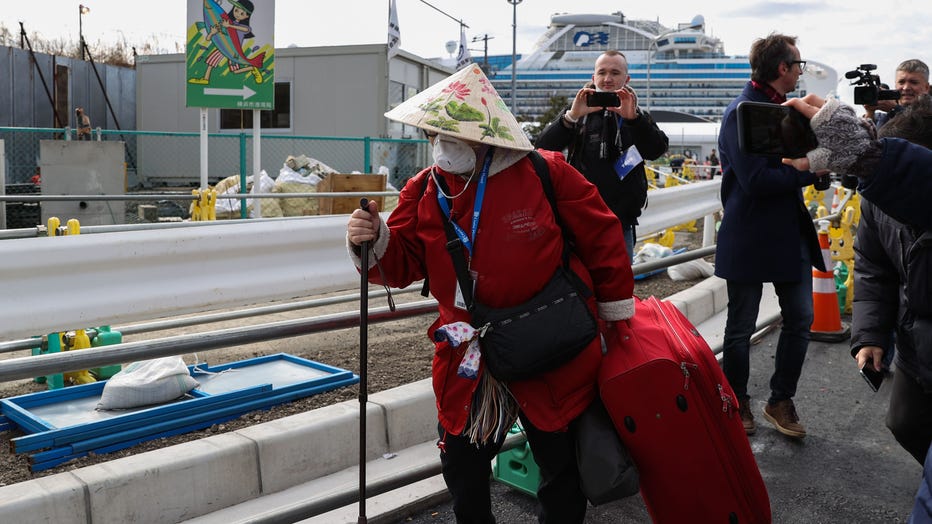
453 155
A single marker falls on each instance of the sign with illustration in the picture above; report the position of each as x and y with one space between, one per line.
230 54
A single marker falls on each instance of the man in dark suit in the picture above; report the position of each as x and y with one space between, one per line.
766 236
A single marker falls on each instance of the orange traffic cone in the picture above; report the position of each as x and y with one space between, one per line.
826 319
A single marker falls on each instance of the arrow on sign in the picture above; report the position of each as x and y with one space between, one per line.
245 92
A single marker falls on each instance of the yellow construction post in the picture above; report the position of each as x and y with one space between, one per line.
196 205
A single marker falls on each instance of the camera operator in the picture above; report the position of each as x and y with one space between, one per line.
606 144
881 110
911 80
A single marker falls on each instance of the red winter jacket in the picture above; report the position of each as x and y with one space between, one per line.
517 248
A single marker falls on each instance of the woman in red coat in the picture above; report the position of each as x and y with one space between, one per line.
489 188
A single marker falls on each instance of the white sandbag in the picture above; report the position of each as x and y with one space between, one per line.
691 270
651 251
147 382
228 208
291 181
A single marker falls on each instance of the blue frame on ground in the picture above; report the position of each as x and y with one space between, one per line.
63 424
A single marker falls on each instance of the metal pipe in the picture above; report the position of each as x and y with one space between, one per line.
671 260
187 196
173 323
52 363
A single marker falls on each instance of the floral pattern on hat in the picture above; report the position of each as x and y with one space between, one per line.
467 106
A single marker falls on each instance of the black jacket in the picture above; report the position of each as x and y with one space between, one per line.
625 197
893 290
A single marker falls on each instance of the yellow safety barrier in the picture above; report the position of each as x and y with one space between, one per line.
686 226
664 238
689 169
196 205
53 224
204 206
211 204
80 340
841 241
813 199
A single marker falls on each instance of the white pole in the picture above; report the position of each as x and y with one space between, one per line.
256 163
708 230
203 148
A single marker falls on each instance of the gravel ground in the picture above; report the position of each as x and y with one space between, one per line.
399 354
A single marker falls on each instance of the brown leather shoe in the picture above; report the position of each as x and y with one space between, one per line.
747 418
783 416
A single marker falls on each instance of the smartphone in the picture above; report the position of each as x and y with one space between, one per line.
773 130
874 378
603 99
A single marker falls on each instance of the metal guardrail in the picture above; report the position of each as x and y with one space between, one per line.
78 281
26 367
85 280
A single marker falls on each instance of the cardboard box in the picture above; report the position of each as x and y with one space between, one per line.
337 183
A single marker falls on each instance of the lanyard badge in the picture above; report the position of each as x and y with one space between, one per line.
627 161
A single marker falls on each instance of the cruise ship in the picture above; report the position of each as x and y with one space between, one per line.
680 74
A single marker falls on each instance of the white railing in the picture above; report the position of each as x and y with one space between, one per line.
69 282
670 206
63 283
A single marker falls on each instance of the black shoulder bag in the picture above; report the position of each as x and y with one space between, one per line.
541 334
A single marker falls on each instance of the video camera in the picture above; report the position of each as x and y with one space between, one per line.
868 90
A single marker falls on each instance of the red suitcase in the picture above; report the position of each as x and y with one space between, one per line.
677 414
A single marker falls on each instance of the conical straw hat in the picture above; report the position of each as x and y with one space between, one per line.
464 105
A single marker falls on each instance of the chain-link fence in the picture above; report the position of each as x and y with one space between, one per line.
161 159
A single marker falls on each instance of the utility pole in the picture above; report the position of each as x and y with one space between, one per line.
514 47
485 50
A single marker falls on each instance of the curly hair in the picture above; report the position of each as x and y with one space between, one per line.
767 54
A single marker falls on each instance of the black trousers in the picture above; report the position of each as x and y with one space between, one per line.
467 469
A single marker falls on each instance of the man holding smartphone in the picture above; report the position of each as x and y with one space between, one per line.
766 236
608 136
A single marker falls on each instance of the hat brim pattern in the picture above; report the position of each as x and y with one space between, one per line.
464 105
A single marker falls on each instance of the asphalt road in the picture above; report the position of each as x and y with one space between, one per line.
849 469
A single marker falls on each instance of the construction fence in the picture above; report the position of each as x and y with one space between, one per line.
171 159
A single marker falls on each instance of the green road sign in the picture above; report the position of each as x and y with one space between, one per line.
230 54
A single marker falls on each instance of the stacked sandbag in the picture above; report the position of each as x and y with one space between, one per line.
300 174
229 208
391 202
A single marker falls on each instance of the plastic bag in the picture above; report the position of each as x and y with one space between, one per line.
147 382
651 251
228 208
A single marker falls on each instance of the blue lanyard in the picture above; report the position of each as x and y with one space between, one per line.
477 206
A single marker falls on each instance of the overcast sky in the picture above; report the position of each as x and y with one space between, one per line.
840 33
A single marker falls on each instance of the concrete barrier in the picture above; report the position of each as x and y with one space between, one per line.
199 477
